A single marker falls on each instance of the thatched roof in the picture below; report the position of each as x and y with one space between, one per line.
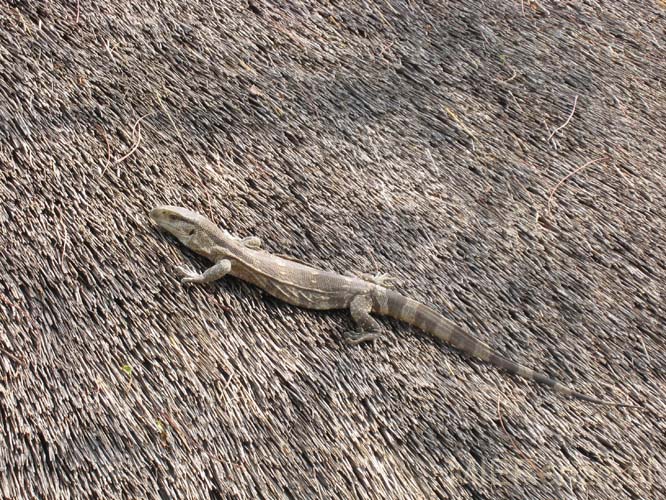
505 160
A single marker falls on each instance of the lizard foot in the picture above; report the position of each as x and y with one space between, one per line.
355 338
215 272
381 279
188 276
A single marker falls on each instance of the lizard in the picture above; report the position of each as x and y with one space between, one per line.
307 287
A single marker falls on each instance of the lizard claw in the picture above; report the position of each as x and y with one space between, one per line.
383 279
355 338
187 275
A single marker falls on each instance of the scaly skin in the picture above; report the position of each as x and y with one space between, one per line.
311 288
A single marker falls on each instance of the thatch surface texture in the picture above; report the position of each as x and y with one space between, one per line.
504 159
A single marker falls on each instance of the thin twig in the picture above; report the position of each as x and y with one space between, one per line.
511 78
217 18
516 101
173 123
647 355
460 124
64 245
568 176
108 151
20 312
110 49
566 122
184 149
137 122
388 4
513 441
12 356
136 145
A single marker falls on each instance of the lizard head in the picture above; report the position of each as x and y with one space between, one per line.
180 222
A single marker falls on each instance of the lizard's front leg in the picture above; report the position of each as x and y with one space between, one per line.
253 242
369 329
215 272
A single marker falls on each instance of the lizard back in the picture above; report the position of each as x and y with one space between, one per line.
296 283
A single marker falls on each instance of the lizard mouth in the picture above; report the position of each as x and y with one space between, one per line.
165 214
157 214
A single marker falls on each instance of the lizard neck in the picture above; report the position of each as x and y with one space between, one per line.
213 243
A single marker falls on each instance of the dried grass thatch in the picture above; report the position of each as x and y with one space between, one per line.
436 141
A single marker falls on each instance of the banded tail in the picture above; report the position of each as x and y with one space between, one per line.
426 319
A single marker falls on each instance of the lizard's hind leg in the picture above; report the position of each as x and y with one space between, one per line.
381 279
369 329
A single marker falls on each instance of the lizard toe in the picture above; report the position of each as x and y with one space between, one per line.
355 338
187 276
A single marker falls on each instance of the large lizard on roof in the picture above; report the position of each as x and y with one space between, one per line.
307 287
